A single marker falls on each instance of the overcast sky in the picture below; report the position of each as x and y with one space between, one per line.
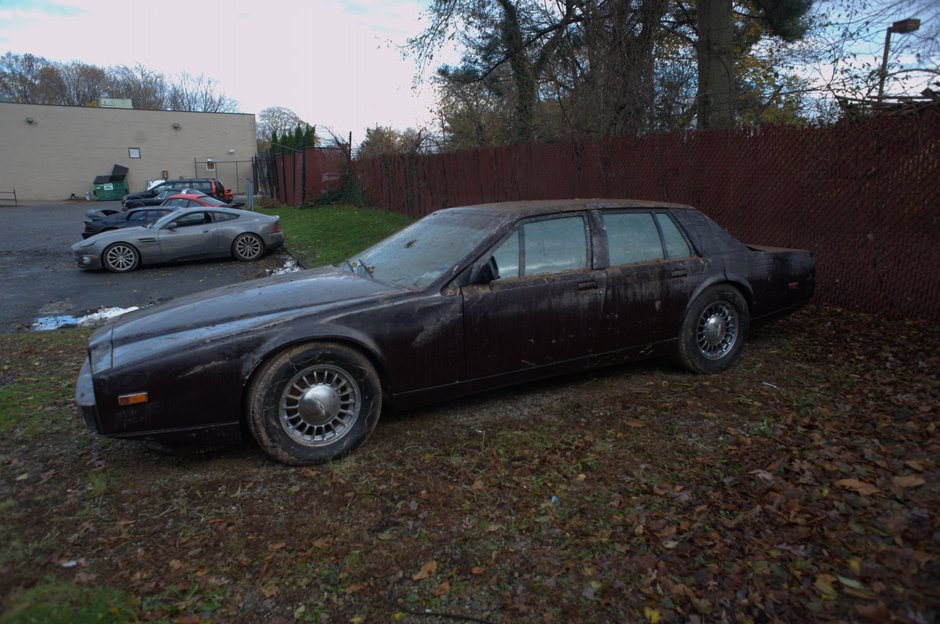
335 63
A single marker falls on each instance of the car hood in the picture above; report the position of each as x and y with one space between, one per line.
247 304
124 234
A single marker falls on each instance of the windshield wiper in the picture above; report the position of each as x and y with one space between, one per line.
368 269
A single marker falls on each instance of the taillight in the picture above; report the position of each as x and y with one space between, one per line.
276 228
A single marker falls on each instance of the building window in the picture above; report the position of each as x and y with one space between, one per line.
133 152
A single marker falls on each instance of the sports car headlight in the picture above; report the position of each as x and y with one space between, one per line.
85 243
101 357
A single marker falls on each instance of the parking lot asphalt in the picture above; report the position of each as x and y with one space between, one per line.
39 277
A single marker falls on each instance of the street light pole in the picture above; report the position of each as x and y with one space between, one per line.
902 27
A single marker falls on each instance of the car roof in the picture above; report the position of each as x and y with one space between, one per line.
531 208
188 196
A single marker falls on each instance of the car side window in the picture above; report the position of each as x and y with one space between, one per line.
193 218
219 217
554 245
138 216
676 245
546 246
632 237
505 258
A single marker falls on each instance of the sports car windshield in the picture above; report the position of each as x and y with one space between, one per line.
422 252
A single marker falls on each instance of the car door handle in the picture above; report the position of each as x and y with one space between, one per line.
680 273
588 285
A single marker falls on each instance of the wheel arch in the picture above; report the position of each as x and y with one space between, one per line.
740 284
368 352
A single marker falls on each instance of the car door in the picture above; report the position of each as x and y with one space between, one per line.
651 273
545 304
192 235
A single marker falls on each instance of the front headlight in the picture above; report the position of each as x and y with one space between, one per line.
85 243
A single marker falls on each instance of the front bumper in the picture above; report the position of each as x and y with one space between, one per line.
85 397
87 260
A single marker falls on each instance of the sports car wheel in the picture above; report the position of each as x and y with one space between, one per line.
247 247
120 258
313 403
714 330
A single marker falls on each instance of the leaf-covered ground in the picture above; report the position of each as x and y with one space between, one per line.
801 485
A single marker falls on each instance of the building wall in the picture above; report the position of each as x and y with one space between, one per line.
65 147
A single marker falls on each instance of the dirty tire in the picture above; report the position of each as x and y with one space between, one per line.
247 247
714 330
120 258
314 403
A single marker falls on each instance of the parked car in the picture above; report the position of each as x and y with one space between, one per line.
209 186
158 199
184 234
131 218
465 300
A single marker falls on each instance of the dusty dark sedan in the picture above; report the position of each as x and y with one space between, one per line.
464 300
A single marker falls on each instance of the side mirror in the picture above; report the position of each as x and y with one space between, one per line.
171 226
485 273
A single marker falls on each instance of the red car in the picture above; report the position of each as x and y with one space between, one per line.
187 200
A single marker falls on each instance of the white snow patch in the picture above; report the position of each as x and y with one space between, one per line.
290 266
45 323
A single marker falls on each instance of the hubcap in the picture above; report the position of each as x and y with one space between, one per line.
717 330
248 246
319 405
121 257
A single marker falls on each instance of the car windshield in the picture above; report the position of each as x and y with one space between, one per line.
422 252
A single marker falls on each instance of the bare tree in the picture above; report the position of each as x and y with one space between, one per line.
277 120
199 94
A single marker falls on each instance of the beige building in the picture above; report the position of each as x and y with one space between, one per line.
53 152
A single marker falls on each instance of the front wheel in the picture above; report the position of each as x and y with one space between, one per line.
120 258
247 247
714 330
314 403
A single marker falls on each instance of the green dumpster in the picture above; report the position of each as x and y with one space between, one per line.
111 187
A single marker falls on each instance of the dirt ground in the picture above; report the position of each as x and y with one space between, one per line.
801 485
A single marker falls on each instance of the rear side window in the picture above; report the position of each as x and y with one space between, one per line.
632 237
676 245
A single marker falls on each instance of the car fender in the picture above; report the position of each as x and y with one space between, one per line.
298 334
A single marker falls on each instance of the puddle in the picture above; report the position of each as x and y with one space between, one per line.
46 323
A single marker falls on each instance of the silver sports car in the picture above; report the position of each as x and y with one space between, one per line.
187 234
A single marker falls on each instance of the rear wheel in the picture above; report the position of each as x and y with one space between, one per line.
120 258
247 247
314 403
714 330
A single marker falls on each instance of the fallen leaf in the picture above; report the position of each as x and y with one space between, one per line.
824 586
476 570
269 591
865 489
636 424
477 485
426 570
652 615
442 589
915 464
908 481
